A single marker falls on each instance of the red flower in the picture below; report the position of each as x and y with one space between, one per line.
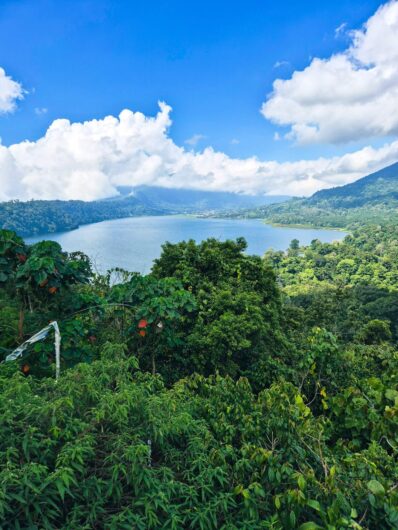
142 323
142 332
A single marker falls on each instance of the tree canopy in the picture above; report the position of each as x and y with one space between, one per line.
221 391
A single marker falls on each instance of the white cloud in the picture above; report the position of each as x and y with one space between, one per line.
195 139
349 96
235 141
10 92
340 30
278 64
41 110
89 160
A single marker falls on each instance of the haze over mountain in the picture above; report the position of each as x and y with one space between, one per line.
197 201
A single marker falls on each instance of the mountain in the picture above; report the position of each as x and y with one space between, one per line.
370 200
378 188
40 217
196 201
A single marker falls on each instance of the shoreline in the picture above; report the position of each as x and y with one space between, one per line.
307 226
189 216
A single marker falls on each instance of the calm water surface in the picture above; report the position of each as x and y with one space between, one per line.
135 242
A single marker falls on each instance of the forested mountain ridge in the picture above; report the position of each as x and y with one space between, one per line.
380 187
370 200
40 217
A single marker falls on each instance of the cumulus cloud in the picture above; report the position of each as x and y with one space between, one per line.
90 160
351 95
10 92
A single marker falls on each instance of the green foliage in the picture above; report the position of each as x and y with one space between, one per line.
375 332
161 307
41 217
12 253
222 391
342 286
237 326
111 447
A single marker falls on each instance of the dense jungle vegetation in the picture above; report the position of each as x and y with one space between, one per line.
41 217
221 391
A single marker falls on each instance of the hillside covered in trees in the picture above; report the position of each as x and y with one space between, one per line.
42 217
221 391
369 200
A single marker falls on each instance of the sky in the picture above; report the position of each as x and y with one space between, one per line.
253 97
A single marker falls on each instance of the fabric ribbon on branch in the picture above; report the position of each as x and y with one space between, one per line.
42 334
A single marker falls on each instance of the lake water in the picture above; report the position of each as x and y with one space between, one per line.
134 243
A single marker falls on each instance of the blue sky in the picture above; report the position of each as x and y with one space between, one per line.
213 62
259 97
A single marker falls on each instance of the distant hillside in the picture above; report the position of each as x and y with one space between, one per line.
380 188
197 201
40 217
371 199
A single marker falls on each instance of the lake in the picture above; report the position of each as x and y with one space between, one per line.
133 243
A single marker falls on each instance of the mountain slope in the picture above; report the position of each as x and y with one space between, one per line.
197 201
371 199
40 217
378 188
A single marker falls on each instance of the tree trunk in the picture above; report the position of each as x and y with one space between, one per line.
30 304
20 324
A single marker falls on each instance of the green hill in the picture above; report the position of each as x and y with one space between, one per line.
41 217
380 188
371 199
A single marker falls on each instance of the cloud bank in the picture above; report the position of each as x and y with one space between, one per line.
10 92
349 96
89 160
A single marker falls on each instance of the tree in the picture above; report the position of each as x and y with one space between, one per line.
236 328
375 332
294 247
159 306
39 273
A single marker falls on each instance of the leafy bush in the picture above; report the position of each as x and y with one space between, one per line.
111 447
